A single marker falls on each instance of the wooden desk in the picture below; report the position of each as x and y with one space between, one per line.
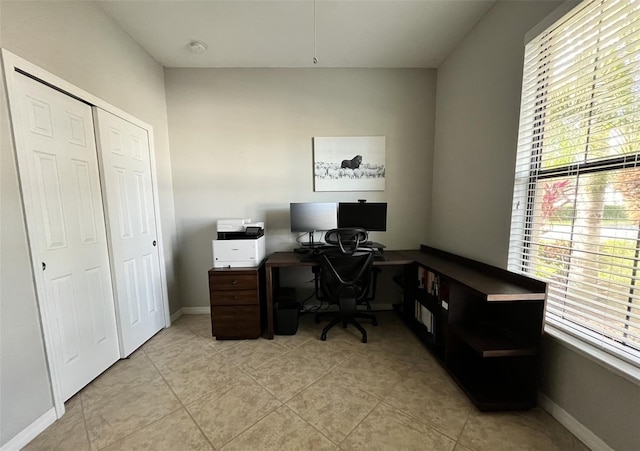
279 260
484 325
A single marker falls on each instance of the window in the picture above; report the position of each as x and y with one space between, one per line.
576 212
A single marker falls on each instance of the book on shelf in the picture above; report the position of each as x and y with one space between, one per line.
427 319
428 281
423 316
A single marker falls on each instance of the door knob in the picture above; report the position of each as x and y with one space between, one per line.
154 243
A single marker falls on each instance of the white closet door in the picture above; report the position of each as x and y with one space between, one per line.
126 172
59 166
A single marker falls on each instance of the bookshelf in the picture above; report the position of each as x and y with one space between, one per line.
483 324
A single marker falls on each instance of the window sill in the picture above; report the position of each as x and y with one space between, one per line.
604 359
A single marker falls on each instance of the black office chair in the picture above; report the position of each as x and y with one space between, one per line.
345 278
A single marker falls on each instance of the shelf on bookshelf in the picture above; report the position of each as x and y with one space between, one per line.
489 341
499 394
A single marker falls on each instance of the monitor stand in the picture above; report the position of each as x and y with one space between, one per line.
311 250
312 245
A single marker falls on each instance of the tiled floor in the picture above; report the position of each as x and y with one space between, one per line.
183 390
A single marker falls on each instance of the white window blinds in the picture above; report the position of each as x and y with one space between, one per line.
576 212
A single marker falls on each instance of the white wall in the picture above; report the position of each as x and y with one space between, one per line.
477 112
78 42
241 147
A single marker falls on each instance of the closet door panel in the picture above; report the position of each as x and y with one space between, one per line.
59 170
126 169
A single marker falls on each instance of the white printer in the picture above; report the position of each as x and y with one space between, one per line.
240 243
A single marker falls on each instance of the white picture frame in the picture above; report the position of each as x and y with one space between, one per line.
349 163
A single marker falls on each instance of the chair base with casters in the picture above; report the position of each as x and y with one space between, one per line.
345 318
344 278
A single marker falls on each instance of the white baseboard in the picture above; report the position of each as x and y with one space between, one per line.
31 431
196 310
587 437
176 315
190 311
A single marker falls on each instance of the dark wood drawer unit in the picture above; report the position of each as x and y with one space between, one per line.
235 322
235 295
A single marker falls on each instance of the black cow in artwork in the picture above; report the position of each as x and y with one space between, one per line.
354 163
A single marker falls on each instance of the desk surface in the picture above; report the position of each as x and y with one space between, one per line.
505 286
284 259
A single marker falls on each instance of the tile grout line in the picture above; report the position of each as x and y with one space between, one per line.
137 430
311 424
84 421
381 401
155 421
252 425
361 421
182 404
237 383
319 369
425 422
284 403
298 392
244 372
461 432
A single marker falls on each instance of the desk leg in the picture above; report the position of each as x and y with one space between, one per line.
268 333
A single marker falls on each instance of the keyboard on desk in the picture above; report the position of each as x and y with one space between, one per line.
372 245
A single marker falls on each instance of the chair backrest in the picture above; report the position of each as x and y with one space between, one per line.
345 275
347 239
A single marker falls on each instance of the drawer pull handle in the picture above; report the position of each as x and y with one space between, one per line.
234 282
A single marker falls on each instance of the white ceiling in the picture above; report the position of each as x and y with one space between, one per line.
268 33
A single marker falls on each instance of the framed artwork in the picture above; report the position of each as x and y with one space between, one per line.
349 163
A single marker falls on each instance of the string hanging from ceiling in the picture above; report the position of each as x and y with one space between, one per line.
315 54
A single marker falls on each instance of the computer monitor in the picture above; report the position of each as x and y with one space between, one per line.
371 216
312 216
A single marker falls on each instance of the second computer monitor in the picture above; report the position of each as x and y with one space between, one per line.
371 216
